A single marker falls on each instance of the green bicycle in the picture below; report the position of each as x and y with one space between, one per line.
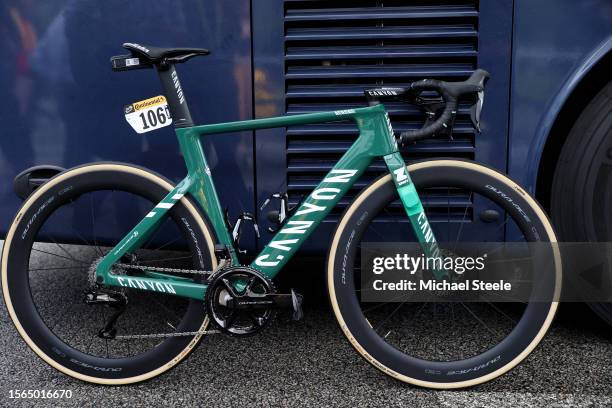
133 309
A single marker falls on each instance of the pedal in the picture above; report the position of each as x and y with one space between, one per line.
291 301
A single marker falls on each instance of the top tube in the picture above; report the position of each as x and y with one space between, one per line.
290 120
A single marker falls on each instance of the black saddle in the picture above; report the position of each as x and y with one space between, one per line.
154 55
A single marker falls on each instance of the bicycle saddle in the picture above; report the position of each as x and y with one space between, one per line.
154 55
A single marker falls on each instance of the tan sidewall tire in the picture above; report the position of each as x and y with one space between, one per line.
11 233
371 189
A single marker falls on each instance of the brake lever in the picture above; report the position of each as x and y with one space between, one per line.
475 111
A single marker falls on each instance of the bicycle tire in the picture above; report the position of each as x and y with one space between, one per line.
360 333
24 314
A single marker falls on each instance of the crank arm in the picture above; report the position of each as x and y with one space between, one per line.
291 300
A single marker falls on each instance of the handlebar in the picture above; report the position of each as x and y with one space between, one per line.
450 93
450 109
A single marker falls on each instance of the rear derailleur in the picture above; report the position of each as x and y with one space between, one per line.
242 301
109 298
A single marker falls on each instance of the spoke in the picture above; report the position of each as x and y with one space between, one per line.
154 235
502 312
167 243
93 224
454 320
376 231
60 256
496 335
383 303
57 269
167 310
66 251
95 248
379 325
463 220
437 347
104 324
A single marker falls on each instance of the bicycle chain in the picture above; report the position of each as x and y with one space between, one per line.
164 335
160 269
172 270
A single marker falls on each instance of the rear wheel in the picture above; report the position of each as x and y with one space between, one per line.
62 230
440 345
582 187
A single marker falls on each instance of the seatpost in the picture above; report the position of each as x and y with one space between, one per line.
174 94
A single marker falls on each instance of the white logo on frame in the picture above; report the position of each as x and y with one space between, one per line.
400 174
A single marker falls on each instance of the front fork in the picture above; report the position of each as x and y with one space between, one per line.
414 208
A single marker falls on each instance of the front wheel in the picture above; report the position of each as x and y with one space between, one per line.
441 345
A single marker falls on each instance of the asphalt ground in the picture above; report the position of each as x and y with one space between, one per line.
309 363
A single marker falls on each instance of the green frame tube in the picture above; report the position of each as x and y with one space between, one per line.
376 139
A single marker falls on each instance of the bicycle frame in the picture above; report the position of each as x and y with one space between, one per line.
375 140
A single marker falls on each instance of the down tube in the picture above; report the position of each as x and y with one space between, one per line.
312 211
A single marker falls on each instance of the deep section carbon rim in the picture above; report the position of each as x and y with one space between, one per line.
69 227
437 342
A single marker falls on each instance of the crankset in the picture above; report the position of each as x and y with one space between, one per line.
242 301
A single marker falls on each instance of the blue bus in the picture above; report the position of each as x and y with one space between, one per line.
546 120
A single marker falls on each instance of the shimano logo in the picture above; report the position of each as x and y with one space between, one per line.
177 86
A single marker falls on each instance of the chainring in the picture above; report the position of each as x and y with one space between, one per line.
235 300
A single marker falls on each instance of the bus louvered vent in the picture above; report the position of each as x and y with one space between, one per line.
336 49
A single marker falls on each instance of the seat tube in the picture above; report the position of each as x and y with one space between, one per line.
173 90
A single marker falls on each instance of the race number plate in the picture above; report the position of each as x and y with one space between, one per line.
148 115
